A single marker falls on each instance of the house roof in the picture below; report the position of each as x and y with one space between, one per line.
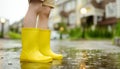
102 4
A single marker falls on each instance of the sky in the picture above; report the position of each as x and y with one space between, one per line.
14 10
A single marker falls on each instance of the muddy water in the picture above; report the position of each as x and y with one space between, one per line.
73 59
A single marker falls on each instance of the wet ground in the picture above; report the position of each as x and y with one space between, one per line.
77 55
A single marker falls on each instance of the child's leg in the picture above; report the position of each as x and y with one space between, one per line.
44 33
44 17
30 18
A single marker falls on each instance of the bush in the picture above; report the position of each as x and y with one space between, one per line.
75 33
117 29
0 34
99 33
14 35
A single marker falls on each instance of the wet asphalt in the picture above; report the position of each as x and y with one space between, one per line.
90 54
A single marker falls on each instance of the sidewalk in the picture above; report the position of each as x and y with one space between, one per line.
89 44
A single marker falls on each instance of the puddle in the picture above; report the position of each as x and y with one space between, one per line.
90 59
73 59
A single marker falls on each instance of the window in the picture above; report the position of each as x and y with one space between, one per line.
70 6
72 18
111 10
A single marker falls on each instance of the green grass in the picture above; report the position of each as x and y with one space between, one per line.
13 35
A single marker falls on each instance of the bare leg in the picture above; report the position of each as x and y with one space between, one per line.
44 17
44 39
33 10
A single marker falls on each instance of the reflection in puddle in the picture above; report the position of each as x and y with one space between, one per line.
25 65
54 65
90 59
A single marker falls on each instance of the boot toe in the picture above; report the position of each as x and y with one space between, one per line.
47 59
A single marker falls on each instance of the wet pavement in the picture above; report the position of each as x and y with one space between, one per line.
77 55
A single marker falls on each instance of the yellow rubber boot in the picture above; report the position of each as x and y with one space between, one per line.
30 47
45 45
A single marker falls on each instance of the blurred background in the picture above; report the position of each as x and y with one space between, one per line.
86 32
70 19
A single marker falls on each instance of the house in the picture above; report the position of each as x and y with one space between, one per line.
104 12
17 26
99 12
65 11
